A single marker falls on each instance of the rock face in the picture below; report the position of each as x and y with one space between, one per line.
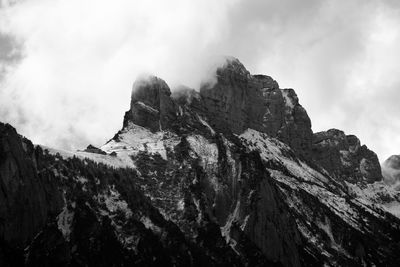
344 157
230 175
391 171
151 105
238 101
26 198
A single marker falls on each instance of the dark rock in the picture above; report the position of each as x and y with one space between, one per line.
297 130
345 158
93 149
26 199
238 101
151 105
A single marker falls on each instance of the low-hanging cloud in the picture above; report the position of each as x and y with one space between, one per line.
72 83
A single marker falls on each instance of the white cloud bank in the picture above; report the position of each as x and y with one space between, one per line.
80 58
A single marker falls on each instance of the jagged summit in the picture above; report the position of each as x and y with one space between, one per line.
233 67
151 104
344 157
237 101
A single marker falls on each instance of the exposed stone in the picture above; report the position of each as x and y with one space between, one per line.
26 199
151 105
93 149
226 100
297 125
238 101
344 157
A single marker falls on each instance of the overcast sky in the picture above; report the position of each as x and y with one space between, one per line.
67 66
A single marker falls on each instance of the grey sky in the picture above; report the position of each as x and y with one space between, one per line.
79 59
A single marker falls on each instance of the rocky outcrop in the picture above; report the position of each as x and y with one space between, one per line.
391 171
345 158
296 130
239 100
93 149
236 102
151 105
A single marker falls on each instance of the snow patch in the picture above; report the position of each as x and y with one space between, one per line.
109 160
272 149
378 195
113 202
81 179
147 107
206 124
64 222
133 139
149 224
207 151
181 204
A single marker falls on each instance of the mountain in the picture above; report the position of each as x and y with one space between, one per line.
230 174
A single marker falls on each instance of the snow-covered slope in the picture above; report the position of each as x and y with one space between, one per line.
133 139
117 162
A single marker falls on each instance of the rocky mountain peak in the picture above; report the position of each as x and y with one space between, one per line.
151 104
237 101
149 90
343 156
232 67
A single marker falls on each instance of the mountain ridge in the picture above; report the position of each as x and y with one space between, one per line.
238 100
230 175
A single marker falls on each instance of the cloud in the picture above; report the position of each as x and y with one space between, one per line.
80 59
